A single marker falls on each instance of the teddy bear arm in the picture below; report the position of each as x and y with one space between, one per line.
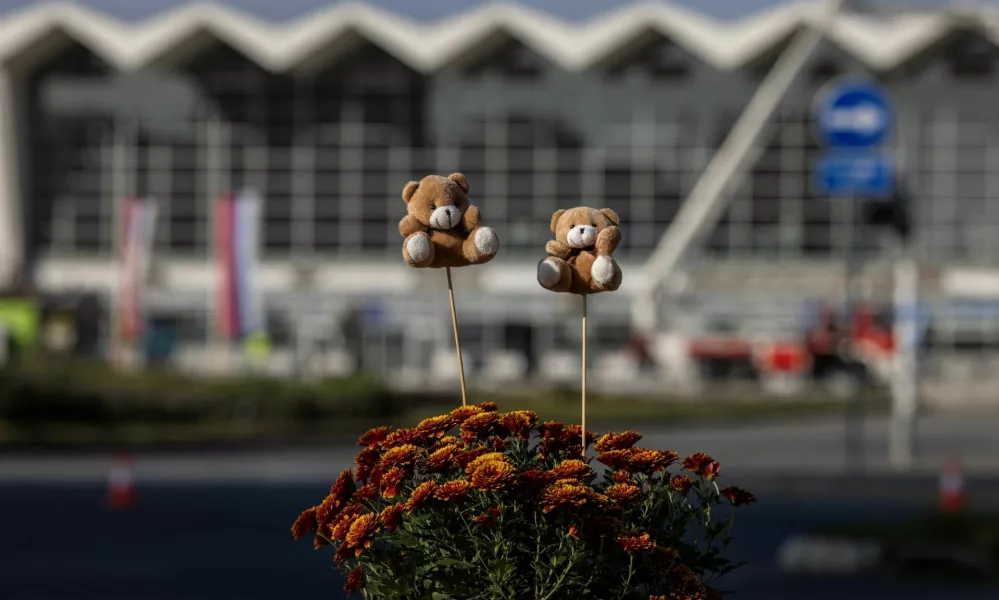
410 225
472 218
557 248
607 240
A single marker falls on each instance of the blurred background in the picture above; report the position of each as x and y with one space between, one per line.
202 296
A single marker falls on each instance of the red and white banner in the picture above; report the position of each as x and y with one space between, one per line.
135 252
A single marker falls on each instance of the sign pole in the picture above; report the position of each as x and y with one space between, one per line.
905 385
853 414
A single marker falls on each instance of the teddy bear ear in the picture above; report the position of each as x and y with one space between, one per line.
460 180
610 214
558 215
409 190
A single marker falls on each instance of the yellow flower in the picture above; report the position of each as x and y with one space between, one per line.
493 475
563 493
484 458
452 490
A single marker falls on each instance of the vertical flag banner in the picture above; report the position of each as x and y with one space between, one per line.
137 231
237 238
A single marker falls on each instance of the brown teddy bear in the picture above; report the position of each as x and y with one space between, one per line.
579 259
442 229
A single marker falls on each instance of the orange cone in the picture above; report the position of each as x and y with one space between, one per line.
121 484
952 487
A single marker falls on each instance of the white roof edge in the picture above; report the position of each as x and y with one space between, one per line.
426 47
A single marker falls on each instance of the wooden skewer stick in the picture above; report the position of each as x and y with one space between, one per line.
583 421
457 341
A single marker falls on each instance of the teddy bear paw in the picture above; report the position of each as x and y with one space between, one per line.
419 248
486 241
603 270
548 273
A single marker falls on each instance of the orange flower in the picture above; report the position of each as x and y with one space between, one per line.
327 510
738 496
305 523
344 520
604 502
391 516
571 469
621 476
681 483
362 532
636 543
463 458
398 438
366 492
362 473
489 517
623 493
368 456
647 461
400 456
482 459
342 554
702 464
463 412
615 459
493 475
573 435
373 437
533 480
614 441
563 493
420 495
440 460
658 598
452 490
391 481
343 487
479 426
354 580
574 531
433 427
488 406
519 422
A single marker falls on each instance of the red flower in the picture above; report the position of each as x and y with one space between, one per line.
532 480
452 490
574 433
400 456
614 441
368 456
615 459
440 460
342 554
738 496
702 464
465 457
391 516
362 473
479 426
398 438
343 487
623 493
636 543
462 413
391 481
373 437
305 523
681 483
620 476
420 495
344 520
571 469
489 517
488 406
519 422
433 427
354 580
362 532
366 492
574 531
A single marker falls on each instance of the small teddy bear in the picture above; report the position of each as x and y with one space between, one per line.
442 229
579 259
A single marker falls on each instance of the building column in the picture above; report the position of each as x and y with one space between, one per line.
11 212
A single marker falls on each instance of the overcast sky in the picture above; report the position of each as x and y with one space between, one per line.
431 9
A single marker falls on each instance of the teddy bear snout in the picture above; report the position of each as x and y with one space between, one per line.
582 236
445 217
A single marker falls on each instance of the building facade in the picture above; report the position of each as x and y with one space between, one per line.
328 117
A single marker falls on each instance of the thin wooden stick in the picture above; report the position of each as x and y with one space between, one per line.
457 341
583 421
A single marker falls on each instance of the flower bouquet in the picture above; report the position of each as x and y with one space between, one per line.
478 504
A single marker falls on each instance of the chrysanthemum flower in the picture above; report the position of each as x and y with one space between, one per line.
420 495
488 406
366 492
647 461
354 580
343 487
479 426
489 517
342 554
532 480
738 496
493 475
621 476
400 456
571 469
305 523
391 481
440 460
362 532
603 502
398 438
341 525
617 441
623 493
615 459
484 458
391 516
681 483
462 413
362 473
563 493
433 427
573 531
367 456
373 437
463 458
573 434
635 543
452 490
686 585
702 464
519 422
327 510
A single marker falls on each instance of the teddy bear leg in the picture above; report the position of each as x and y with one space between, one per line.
418 250
480 246
554 274
605 274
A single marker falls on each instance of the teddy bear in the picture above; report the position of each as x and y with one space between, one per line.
580 257
442 229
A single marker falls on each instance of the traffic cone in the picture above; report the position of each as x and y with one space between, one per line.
121 484
952 487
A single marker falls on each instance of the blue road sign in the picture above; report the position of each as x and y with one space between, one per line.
853 114
867 174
